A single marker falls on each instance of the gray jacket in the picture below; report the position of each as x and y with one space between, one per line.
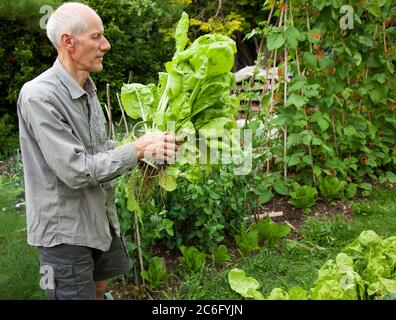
69 165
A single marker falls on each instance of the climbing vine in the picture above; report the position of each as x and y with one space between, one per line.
335 98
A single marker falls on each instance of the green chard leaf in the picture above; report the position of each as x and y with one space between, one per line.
181 36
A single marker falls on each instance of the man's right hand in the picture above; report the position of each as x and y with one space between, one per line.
158 146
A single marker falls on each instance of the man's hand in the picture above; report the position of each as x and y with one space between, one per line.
158 146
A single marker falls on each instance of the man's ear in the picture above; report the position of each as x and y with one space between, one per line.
68 42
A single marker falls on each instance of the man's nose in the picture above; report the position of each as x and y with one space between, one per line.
105 46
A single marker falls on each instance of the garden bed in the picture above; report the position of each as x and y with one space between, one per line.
314 240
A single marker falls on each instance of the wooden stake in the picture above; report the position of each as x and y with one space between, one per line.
139 246
286 78
219 8
123 114
309 28
384 35
305 111
111 126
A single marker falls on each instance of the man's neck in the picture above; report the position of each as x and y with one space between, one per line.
80 76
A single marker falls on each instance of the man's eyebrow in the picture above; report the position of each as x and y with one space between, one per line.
97 32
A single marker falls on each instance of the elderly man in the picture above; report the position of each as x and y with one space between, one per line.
70 166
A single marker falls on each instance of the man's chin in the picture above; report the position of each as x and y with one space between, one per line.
97 68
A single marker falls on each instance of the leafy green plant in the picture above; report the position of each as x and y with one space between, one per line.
247 240
192 259
247 287
295 293
8 138
303 196
161 225
391 177
220 255
198 211
156 274
364 270
336 118
271 232
367 188
338 281
193 95
331 188
351 190
373 257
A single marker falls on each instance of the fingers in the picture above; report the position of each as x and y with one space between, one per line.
172 138
162 151
167 152
159 146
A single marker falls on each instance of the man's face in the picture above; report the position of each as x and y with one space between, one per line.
90 46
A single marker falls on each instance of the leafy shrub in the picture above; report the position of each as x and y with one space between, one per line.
137 30
329 132
9 141
205 210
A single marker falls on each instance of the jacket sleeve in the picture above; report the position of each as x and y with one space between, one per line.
65 154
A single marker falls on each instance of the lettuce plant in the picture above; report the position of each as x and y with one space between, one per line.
220 255
248 240
192 259
271 232
156 274
303 197
364 270
331 188
247 287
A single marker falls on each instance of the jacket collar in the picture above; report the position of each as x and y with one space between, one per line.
71 84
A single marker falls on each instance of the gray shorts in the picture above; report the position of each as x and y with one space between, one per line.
70 271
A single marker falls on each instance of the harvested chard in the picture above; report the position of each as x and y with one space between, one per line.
192 98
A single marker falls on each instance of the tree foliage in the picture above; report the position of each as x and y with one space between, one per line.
232 18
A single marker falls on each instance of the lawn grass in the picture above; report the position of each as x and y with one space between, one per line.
19 272
295 262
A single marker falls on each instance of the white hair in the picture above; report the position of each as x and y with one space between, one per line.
68 18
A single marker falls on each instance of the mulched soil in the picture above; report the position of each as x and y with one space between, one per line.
295 217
